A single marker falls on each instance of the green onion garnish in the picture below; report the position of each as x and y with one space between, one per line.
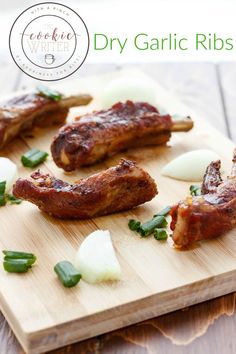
2 187
29 261
49 93
4 198
158 221
2 193
164 212
148 227
13 200
195 190
18 262
67 274
16 265
18 255
33 158
134 225
160 234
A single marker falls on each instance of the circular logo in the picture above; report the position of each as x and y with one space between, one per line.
49 41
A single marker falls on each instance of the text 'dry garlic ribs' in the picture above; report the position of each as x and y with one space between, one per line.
27 110
209 215
118 188
100 134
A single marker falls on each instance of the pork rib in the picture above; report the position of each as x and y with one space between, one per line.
209 215
119 188
32 109
100 134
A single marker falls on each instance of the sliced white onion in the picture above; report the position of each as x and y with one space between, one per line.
190 166
132 88
96 259
8 172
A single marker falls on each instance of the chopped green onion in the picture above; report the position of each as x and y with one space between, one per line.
2 187
33 158
160 234
67 274
18 262
2 193
16 265
18 255
164 212
29 261
148 227
195 190
7 197
2 200
134 225
13 200
49 93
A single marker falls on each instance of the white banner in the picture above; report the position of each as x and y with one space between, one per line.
146 31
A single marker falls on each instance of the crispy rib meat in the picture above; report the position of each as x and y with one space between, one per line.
209 215
100 134
118 188
31 109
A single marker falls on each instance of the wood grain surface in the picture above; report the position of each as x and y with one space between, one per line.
190 330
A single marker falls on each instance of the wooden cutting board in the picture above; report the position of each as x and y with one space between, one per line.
156 278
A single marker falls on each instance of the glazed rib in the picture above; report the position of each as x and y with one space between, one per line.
119 188
100 134
209 215
31 109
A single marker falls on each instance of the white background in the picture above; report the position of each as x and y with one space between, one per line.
127 18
